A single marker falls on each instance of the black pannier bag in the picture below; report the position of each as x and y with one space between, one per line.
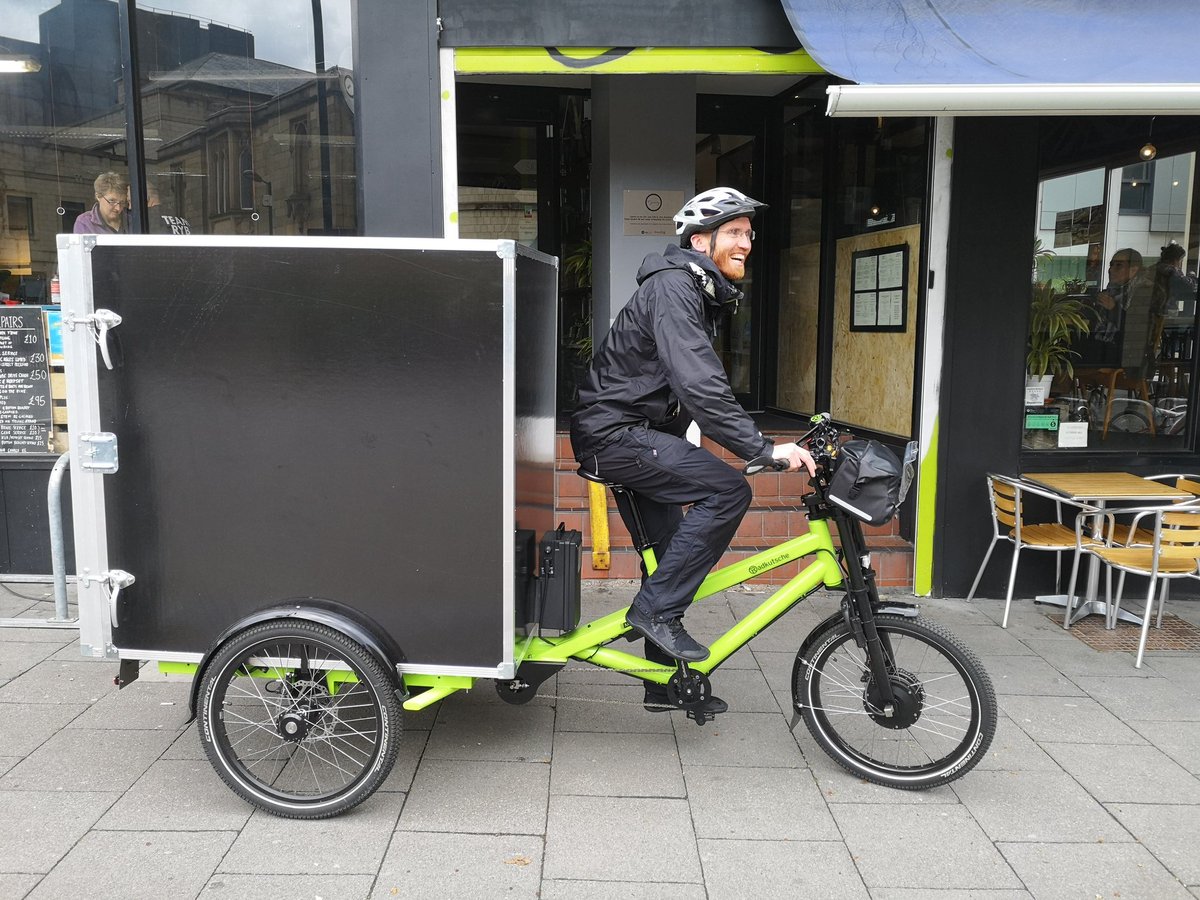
560 561
870 483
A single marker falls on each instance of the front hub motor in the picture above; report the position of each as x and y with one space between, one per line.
908 697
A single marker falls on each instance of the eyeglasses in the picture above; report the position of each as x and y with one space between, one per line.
115 204
737 234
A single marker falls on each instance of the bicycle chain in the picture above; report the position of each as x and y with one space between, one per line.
557 696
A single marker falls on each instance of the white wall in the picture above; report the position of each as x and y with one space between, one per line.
643 138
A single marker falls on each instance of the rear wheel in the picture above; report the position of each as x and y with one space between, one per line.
299 719
944 712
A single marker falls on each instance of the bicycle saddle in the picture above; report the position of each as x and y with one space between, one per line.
599 479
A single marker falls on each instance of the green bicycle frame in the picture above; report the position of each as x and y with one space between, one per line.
587 642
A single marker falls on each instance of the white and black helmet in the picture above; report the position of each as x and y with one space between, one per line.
709 209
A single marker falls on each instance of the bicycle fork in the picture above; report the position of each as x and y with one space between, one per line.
863 597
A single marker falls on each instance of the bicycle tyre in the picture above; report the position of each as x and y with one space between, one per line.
1129 422
925 743
298 719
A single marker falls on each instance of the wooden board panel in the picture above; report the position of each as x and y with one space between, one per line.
872 372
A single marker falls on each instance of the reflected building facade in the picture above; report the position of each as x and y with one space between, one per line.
232 142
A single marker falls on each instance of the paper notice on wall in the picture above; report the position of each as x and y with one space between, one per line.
1072 434
891 307
651 212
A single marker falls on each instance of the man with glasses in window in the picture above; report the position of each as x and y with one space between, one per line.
110 214
655 372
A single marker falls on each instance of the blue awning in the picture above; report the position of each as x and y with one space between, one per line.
1078 45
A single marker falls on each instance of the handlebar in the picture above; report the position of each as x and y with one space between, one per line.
821 441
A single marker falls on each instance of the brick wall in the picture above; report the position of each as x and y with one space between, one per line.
775 514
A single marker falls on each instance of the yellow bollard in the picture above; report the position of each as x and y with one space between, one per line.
598 508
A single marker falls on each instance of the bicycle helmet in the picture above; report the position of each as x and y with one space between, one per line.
707 210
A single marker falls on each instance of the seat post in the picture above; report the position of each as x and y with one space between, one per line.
629 512
627 507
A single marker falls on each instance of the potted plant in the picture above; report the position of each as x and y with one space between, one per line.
1054 320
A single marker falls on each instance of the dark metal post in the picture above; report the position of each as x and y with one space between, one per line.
322 118
134 156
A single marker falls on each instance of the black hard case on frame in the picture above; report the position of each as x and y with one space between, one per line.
364 422
560 571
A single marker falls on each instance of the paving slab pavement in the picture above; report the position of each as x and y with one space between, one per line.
1091 788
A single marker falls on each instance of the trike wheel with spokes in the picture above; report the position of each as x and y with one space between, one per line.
944 712
299 719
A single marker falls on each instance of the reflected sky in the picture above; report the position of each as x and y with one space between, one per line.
282 29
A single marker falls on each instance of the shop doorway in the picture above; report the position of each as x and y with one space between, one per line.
524 162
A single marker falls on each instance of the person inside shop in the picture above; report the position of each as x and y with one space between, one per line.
1107 310
160 220
110 213
655 372
1155 295
1174 290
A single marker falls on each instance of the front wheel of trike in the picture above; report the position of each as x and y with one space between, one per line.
944 712
298 719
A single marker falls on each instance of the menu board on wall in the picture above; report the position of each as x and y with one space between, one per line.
879 289
25 405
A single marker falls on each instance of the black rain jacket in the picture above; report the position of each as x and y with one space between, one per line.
657 366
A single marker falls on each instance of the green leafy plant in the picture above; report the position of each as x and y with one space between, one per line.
1041 255
577 268
1054 320
578 265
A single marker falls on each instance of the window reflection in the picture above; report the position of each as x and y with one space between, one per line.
234 95
61 125
238 104
1111 351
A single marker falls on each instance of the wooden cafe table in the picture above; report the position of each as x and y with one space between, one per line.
1098 489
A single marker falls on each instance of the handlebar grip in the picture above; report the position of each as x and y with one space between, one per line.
763 464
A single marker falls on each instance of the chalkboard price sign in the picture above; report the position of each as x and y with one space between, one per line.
25 405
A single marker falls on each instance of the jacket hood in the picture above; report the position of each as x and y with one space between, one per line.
715 286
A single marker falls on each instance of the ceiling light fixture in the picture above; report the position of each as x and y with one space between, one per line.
1149 151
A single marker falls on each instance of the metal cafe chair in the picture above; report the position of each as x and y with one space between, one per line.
1124 534
1173 552
1006 496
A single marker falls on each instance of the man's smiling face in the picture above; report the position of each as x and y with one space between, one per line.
730 245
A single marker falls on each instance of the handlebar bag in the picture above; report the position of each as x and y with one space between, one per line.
867 482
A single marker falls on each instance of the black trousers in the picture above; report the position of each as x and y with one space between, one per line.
664 473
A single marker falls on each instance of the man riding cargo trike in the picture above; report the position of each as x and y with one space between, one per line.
330 500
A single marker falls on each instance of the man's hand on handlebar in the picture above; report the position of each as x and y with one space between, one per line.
796 457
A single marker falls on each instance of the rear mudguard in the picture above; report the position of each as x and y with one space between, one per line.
337 616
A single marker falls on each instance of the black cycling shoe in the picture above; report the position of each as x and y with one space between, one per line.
659 703
668 636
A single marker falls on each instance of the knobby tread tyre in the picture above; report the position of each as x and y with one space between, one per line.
945 714
299 719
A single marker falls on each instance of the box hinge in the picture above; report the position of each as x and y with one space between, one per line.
98 452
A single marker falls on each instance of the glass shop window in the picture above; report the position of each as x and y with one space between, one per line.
61 126
251 104
1111 356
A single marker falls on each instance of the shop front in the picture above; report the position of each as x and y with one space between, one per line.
1062 316
572 128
